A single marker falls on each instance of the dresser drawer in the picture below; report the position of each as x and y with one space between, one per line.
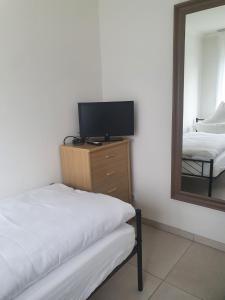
102 184
109 167
106 158
119 193
118 189
103 175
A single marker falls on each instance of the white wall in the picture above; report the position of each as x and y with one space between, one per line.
137 60
49 59
192 79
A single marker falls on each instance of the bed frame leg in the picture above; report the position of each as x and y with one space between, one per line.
139 250
210 178
210 188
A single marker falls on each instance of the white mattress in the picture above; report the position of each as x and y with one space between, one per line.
78 278
202 145
218 167
42 229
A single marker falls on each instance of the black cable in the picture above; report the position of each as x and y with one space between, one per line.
75 140
67 137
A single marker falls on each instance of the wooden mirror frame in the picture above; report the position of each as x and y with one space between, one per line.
180 12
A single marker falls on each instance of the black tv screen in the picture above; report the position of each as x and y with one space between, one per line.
105 119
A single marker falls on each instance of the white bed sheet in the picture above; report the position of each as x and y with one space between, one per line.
202 145
43 228
218 167
80 276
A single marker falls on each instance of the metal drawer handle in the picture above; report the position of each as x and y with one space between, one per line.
110 173
109 156
112 190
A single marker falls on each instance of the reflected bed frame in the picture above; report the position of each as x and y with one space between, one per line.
198 167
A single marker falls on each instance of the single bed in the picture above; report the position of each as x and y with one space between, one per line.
203 156
82 274
60 243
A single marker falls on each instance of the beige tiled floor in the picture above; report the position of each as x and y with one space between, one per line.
201 271
161 250
174 269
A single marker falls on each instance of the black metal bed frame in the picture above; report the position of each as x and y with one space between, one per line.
136 250
198 167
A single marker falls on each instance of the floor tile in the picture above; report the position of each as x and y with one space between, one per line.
161 251
168 292
201 272
123 286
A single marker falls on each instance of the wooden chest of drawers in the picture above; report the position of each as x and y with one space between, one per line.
101 169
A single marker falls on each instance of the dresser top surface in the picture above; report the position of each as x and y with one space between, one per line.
91 148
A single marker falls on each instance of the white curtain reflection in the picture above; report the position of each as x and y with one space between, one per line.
221 71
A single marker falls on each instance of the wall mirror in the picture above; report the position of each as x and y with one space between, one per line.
198 146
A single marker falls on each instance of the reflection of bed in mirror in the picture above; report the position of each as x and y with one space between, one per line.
203 156
204 150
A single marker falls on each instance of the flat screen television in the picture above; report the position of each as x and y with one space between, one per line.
106 119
